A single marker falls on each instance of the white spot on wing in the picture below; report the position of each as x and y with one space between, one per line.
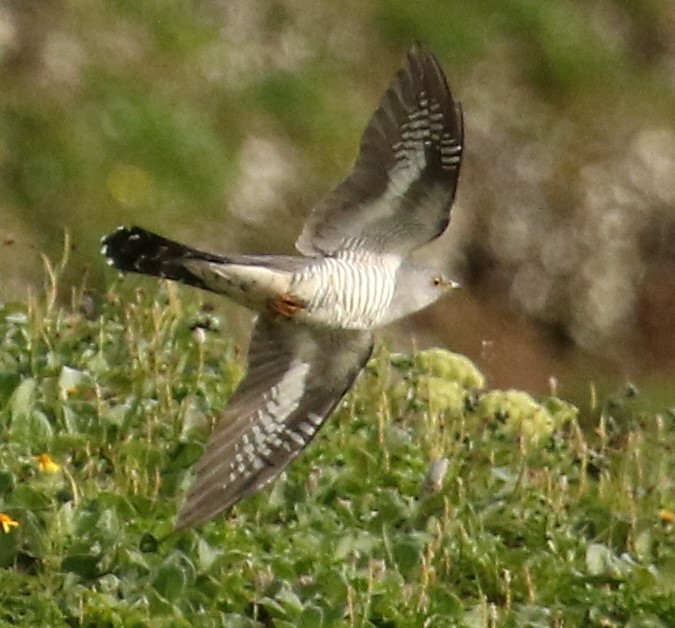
270 421
307 428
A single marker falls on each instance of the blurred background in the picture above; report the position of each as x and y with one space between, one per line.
221 122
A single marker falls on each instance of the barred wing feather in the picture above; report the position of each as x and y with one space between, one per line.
400 191
296 377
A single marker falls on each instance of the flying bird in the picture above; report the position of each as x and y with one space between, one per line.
316 312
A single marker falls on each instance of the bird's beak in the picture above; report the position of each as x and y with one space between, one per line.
452 285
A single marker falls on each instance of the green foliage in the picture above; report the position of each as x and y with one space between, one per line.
175 26
559 45
520 526
171 88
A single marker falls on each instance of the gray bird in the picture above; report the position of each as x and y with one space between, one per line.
316 312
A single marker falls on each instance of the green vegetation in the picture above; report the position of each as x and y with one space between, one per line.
428 499
537 521
221 123
114 109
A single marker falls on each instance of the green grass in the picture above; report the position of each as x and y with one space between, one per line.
536 522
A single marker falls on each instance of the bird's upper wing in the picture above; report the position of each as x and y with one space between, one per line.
296 376
400 190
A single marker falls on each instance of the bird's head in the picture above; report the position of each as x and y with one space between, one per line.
417 287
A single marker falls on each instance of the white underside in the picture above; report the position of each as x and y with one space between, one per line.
349 291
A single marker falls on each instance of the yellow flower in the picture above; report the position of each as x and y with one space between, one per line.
667 516
7 523
46 464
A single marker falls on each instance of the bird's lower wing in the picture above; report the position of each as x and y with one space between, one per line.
296 377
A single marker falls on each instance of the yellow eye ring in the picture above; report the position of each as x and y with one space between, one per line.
438 280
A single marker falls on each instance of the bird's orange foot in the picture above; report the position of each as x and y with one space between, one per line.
284 305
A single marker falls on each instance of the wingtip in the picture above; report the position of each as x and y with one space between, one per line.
419 50
192 517
424 67
417 46
184 520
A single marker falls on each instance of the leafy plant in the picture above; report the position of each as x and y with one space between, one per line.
103 416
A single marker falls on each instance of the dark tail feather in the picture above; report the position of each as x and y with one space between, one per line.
136 250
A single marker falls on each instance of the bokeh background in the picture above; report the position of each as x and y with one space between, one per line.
221 122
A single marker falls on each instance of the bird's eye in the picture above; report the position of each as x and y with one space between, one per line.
438 280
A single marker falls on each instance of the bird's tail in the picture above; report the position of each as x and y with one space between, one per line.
136 250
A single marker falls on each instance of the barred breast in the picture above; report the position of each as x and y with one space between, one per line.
351 290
